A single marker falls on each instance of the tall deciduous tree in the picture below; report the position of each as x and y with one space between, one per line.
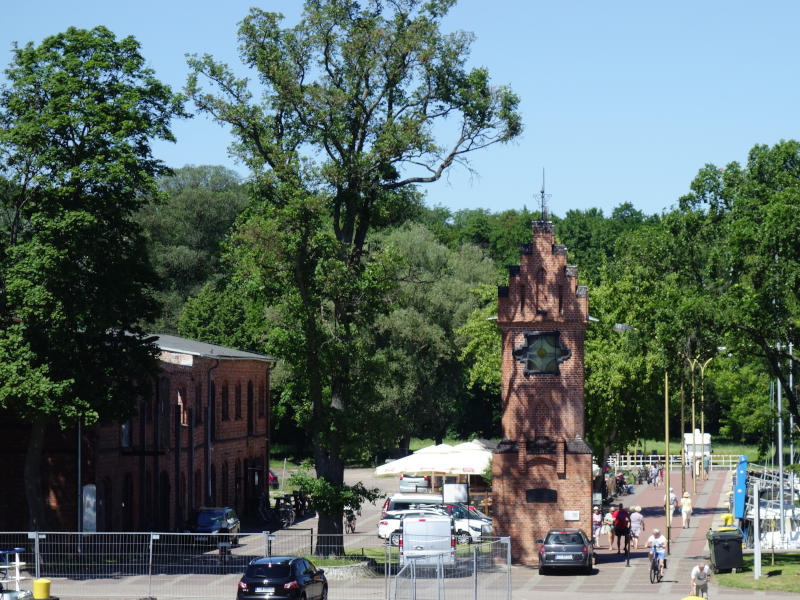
351 97
185 233
78 113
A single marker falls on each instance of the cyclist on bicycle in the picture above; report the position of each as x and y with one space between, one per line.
658 546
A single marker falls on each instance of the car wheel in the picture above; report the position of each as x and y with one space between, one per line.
324 595
394 539
462 537
542 570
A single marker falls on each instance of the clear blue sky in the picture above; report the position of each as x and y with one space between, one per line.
621 101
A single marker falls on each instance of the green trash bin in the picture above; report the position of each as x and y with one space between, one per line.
725 548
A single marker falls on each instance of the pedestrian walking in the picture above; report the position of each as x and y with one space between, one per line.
686 510
597 523
706 465
700 576
608 528
622 525
673 505
637 525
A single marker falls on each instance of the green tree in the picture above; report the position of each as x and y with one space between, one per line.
78 113
754 266
425 386
185 233
351 98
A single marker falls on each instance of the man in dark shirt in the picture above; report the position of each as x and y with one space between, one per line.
622 525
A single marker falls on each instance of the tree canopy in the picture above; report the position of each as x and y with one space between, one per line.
345 128
78 113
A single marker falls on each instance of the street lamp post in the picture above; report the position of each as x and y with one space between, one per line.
667 506
693 364
703 414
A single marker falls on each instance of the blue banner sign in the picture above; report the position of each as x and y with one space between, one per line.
740 492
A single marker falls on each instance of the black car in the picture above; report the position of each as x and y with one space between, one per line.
282 577
565 548
216 520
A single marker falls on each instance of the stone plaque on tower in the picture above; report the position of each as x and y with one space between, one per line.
542 470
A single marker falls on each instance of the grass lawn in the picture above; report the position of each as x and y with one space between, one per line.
783 576
716 448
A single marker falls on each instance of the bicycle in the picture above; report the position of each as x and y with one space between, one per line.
656 571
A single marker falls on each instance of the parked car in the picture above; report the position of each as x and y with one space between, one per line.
471 524
565 548
390 524
414 483
282 577
405 501
273 480
216 520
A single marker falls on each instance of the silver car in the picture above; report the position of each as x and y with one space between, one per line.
565 548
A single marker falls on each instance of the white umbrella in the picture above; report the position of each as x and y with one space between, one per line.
468 462
430 459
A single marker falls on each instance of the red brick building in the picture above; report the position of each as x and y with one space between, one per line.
202 439
542 470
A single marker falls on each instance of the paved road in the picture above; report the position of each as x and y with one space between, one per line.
613 578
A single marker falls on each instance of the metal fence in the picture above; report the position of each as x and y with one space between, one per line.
197 566
477 572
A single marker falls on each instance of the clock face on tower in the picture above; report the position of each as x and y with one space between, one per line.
541 353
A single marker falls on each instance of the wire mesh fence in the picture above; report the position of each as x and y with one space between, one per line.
478 572
198 566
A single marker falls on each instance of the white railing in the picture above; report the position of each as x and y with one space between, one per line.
632 462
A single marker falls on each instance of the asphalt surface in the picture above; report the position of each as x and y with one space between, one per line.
612 577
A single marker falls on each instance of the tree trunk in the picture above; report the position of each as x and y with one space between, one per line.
330 540
33 476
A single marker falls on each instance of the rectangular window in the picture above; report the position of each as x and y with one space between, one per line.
198 405
125 434
238 400
225 413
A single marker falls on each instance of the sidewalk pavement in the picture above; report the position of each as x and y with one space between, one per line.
613 577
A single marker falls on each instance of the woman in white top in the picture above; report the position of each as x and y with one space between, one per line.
686 509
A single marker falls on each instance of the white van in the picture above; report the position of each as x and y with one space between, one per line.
428 540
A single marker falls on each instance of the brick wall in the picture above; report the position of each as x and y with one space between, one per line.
543 468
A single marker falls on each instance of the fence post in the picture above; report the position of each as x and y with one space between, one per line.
38 556
150 567
475 573
507 542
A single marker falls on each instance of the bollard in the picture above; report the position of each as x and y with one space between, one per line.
41 589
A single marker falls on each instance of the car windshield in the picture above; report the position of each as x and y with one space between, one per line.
210 517
269 571
560 537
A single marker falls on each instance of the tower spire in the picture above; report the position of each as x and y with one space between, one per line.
543 197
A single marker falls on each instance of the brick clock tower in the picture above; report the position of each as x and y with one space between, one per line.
542 470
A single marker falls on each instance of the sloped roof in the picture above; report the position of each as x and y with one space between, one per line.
173 343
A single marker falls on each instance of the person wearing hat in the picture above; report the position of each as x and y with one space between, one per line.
700 576
686 509
637 525
597 522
